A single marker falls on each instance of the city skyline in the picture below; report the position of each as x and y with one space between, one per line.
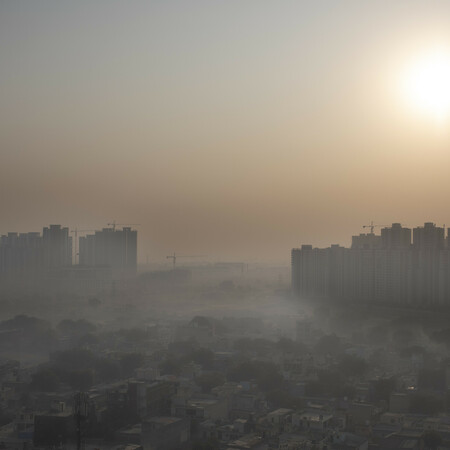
81 241
390 268
224 129
224 224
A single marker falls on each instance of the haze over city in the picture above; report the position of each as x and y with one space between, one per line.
224 225
232 129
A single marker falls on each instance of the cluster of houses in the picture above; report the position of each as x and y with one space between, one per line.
154 411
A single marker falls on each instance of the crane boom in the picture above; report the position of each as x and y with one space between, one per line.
174 257
113 224
371 226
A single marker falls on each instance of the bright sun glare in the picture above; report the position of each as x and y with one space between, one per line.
428 84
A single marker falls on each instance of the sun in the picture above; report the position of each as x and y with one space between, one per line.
427 84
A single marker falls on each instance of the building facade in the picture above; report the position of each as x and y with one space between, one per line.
32 254
387 268
109 247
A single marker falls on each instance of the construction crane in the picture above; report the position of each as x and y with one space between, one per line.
113 224
174 257
76 231
372 226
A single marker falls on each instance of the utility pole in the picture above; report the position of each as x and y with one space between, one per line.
174 257
80 412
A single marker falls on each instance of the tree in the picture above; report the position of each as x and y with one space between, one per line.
170 367
266 374
29 325
75 327
432 379
269 377
353 366
383 388
203 356
88 340
377 335
75 359
245 370
259 346
106 369
131 361
287 345
207 381
402 337
426 404
94 302
210 444
81 380
329 344
5 418
281 398
432 439
45 380
134 335
330 382
36 334
182 348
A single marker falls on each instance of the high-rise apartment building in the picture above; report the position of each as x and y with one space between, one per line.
109 247
396 237
389 269
428 237
21 254
57 246
31 254
430 284
366 241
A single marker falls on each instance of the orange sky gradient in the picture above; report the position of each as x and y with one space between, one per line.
233 129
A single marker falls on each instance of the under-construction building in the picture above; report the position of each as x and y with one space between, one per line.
387 268
32 254
116 249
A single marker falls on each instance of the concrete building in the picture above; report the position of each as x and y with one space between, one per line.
428 237
165 433
109 247
57 247
53 429
31 254
366 241
389 269
21 254
428 242
396 237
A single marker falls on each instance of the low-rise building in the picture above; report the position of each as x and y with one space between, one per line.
165 433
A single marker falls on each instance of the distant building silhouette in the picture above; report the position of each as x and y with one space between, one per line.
366 241
428 237
395 237
31 254
387 268
34 262
57 247
109 247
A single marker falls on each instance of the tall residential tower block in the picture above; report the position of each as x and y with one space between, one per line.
387 268
109 247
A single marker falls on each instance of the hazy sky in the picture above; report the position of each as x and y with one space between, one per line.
236 129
